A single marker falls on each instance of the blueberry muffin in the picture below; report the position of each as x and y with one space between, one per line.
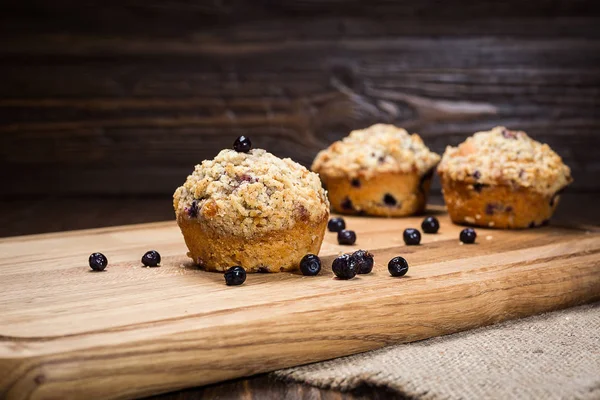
502 179
251 209
381 171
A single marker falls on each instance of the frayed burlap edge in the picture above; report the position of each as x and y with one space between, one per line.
553 355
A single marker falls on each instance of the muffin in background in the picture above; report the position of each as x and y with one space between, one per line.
502 179
251 209
381 170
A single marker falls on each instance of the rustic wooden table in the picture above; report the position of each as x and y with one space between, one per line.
47 215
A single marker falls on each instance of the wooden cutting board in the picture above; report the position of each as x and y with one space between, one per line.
68 332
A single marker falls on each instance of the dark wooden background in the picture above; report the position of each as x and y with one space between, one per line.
105 106
123 98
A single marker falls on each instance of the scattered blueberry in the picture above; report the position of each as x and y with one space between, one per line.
389 200
346 237
364 261
468 235
476 174
336 224
355 182
235 276
398 266
98 261
242 144
412 237
344 267
310 265
430 225
151 258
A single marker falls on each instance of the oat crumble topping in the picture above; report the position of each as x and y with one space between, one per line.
504 157
379 148
251 193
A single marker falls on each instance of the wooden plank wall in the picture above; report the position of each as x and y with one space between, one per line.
111 98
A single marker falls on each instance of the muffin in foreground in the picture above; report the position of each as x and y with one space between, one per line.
380 171
502 179
251 209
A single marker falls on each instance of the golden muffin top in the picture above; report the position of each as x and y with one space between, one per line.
251 193
379 148
504 157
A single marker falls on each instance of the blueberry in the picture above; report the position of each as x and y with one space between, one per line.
389 200
346 237
398 266
193 210
242 144
364 261
355 182
478 187
98 261
347 204
235 276
344 267
430 225
468 235
336 224
310 265
151 258
509 134
491 208
412 236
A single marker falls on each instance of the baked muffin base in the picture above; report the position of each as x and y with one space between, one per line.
277 251
497 206
390 194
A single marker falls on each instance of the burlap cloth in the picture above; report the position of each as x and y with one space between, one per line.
550 356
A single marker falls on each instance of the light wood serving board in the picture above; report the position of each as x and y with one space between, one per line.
68 332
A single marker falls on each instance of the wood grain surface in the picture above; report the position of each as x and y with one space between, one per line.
133 331
111 99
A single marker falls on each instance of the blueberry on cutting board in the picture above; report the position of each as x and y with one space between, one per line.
310 265
346 237
98 261
235 276
344 267
398 266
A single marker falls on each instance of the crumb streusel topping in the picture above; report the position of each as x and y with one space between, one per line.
379 148
501 156
251 193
